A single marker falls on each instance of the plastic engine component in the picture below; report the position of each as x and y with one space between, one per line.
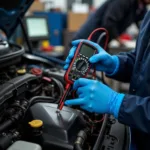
10 54
22 145
15 86
60 129
4 48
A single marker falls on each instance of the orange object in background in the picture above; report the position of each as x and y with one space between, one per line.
47 49
76 20
36 6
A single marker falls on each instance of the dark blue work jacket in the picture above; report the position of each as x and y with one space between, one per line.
135 68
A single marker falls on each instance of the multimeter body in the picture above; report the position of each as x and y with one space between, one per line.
80 65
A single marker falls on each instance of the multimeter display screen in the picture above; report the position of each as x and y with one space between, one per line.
86 50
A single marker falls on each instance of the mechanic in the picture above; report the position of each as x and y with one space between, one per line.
132 109
114 15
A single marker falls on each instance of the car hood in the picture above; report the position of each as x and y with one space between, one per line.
10 13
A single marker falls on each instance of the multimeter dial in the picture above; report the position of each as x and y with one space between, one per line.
79 68
81 64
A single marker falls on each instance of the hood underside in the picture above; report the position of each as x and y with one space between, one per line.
10 13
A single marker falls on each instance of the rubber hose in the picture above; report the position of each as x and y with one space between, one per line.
100 39
42 98
77 147
5 125
99 139
81 138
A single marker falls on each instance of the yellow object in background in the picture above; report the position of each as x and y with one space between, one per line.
45 44
21 71
36 123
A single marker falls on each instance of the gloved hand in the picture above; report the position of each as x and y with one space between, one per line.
94 96
102 60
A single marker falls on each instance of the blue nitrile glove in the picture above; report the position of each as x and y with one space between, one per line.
94 96
104 61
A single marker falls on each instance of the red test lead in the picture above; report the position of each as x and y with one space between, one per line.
62 100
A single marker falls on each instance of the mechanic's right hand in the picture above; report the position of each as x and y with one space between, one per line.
102 60
94 96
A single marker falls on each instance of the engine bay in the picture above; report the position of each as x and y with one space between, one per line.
30 91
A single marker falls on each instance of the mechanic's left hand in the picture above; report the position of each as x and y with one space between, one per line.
96 97
102 60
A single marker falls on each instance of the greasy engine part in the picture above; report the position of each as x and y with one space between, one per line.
81 138
52 87
13 116
6 139
65 130
60 129
17 86
31 59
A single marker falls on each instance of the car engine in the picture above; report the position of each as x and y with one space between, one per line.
30 91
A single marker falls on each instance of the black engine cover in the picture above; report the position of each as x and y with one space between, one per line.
60 129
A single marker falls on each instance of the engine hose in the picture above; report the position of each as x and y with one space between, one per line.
7 139
42 99
6 125
60 86
81 138
77 147
101 38
101 133
15 117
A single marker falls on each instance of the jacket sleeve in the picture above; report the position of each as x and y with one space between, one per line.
140 16
116 11
135 112
126 65
127 59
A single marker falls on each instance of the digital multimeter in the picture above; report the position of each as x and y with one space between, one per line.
80 64
79 67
